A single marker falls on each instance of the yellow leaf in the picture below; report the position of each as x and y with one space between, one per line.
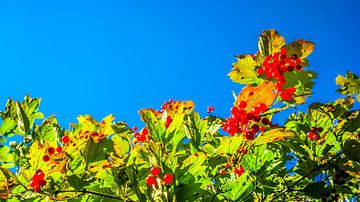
243 71
105 125
178 107
306 47
273 135
270 42
88 123
263 93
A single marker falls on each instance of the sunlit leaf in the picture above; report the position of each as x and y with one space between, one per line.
243 71
270 42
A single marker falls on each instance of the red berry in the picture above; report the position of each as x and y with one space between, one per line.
51 150
315 137
310 135
46 158
265 121
36 187
135 128
298 67
239 171
150 180
65 139
313 129
168 178
282 51
294 57
262 128
59 149
210 109
290 68
141 138
319 129
255 128
222 171
42 182
242 104
145 131
168 121
155 171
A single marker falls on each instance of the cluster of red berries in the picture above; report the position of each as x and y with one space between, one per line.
141 137
313 133
248 123
238 171
37 180
155 171
210 109
50 152
275 66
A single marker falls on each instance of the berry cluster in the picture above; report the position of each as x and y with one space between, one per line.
51 152
155 171
238 171
37 180
210 109
65 139
141 137
248 123
275 66
313 133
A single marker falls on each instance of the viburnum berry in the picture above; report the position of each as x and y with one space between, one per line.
315 137
65 139
310 134
145 131
168 121
37 181
313 129
168 178
210 109
319 129
265 121
155 171
59 149
150 180
239 171
46 158
141 138
222 171
51 150
242 104
135 128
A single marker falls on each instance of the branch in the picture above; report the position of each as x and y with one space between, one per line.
89 192
317 168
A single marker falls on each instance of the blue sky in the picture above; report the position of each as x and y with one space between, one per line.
102 57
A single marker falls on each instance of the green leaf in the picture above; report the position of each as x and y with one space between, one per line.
243 71
121 146
95 152
302 81
23 120
76 182
350 84
315 189
270 42
352 150
195 129
49 129
154 124
8 127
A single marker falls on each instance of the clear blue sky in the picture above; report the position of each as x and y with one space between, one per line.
101 57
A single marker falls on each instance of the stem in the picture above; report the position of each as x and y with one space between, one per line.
317 168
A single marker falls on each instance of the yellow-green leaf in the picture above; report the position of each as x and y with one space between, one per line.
270 42
243 71
273 135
